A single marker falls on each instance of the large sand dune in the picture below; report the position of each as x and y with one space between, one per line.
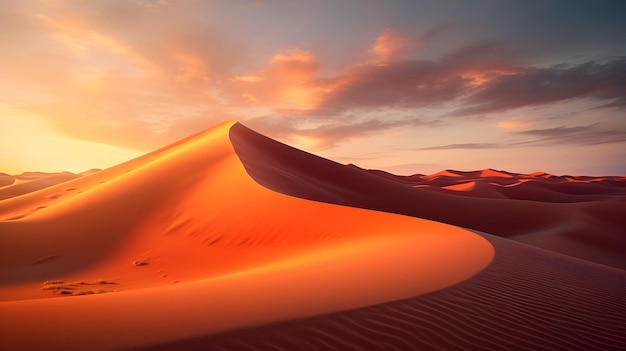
230 240
182 243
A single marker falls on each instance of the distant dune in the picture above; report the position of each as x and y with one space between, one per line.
11 186
228 240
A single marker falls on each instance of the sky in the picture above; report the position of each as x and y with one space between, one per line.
409 86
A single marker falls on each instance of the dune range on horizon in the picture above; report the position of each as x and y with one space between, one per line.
230 240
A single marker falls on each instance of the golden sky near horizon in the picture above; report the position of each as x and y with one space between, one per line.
408 86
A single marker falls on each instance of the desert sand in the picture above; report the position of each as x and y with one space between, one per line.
230 240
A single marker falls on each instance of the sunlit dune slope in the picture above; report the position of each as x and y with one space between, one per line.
182 243
578 216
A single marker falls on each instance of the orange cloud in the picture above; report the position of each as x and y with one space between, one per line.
250 79
486 76
513 124
289 82
390 46
190 68
295 65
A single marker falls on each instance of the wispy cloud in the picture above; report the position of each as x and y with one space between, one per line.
580 135
329 134
469 146
326 134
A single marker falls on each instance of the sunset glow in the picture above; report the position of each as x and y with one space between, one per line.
408 86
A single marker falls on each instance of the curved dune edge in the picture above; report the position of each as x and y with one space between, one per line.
316 257
526 299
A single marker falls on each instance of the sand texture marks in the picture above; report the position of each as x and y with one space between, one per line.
181 243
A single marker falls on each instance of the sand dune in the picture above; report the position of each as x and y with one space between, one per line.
182 243
11 186
491 173
228 240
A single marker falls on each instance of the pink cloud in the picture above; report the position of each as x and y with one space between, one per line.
390 46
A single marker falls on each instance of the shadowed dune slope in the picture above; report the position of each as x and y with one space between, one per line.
181 243
579 216
526 299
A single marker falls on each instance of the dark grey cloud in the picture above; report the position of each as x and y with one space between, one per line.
482 78
417 83
605 82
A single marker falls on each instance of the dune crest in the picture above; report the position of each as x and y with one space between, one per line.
182 242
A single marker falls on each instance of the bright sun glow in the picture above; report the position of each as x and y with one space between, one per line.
34 145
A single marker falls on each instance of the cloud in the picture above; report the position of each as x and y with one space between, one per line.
482 78
326 134
291 80
555 132
477 80
605 82
514 124
138 73
470 146
419 83
132 74
390 46
401 84
288 83
580 135
482 57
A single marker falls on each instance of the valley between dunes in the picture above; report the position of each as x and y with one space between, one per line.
230 240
